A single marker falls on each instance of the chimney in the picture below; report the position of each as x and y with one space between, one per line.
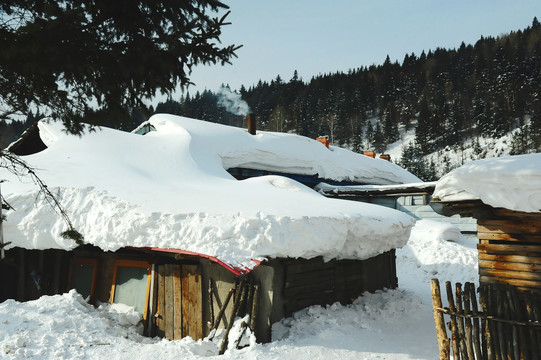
324 140
370 153
385 157
250 118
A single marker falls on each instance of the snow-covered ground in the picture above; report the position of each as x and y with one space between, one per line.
393 324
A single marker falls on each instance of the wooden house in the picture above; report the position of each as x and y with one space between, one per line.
509 243
504 195
172 289
162 243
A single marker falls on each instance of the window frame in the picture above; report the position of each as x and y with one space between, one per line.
84 261
132 264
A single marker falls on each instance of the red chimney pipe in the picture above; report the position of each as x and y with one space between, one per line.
250 118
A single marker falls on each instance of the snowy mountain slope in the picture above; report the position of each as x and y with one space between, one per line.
452 157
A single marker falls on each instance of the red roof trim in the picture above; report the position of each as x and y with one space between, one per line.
234 269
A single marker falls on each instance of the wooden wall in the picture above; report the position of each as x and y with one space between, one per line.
316 282
510 249
28 274
179 299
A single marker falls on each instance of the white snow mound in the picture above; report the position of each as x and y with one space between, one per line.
511 182
170 189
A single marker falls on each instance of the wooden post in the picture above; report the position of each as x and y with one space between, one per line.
460 322
476 332
211 304
454 329
255 304
222 310
533 334
502 333
467 320
490 339
236 306
522 330
443 340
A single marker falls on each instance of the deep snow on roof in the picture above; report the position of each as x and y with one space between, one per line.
170 189
511 182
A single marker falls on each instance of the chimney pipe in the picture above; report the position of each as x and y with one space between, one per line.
250 118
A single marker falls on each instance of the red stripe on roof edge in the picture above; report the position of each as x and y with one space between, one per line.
237 270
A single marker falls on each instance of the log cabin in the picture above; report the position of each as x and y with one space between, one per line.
504 195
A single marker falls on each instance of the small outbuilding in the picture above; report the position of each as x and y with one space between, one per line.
504 195
171 232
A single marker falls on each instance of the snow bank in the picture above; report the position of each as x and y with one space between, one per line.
430 254
511 182
170 189
66 327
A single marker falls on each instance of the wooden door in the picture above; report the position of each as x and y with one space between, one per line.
179 302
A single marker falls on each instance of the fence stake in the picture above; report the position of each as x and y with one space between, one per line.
443 340
488 342
454 330
503 334
469 340
460 322
533 334
475 311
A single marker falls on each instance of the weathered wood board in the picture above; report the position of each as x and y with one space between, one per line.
510 249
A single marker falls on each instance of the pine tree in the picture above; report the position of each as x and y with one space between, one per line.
66 56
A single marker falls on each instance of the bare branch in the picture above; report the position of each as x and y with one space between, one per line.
15 165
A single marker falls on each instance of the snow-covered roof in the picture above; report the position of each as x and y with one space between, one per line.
285 153
360 190
169 189
511 182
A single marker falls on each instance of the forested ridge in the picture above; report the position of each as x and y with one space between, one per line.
445 96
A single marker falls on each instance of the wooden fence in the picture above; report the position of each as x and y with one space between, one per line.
504 325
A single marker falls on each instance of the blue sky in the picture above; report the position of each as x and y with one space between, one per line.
322 36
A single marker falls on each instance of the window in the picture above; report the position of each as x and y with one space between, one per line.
131 284
82 277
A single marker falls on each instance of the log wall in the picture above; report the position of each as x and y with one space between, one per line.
316 282
510 249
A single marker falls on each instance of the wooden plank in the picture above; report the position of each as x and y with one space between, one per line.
192 302
509 249
310 288
524 275
169 302
502 265
510 258
510 214
514 282
177 302
508 237
306 279
510 226
303 266
160 319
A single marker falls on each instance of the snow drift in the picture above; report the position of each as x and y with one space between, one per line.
170 189
511 182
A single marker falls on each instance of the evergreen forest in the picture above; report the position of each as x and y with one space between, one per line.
444 96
